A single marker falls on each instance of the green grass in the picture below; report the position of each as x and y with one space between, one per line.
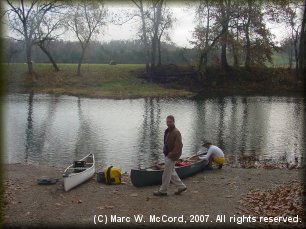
97 80
280 60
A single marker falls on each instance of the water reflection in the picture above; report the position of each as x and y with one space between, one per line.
149 148
129 133
87 136
29 132
36 135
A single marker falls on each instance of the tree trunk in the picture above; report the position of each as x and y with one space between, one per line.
296 56
153 56
224 62
248 46
224 23
203 60
157 22
145 39
42 47
29 56
159 52
80 61
302 48
235 55
204 54
290 56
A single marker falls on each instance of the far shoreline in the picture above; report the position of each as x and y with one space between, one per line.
126 81
192 95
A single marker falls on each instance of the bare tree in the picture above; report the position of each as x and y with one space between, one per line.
288 12
225 12
207 33
156 20
85 19
144 33
24 18
51 27
166 23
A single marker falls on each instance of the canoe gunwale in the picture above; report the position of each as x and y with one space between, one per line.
71 180
144 177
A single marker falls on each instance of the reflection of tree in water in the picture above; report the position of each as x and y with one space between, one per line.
87 138
200 130
252 134
297 141
35 138
238 137
243 132
221 126
233 126
150 149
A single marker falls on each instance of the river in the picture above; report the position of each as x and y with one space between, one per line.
55 130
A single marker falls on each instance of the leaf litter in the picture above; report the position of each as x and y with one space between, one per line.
284 200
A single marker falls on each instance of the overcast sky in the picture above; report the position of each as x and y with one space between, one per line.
181 33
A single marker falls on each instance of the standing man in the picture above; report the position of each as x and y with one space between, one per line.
214 154
172 150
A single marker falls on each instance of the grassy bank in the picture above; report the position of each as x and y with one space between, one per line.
123 81
97 80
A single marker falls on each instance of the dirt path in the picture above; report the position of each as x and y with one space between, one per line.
211 192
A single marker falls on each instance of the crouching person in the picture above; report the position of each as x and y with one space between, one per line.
214 154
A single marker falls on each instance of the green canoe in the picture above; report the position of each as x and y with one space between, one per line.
153 175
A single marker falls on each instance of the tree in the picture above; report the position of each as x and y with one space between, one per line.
225 13
144 37
51 27
233 26
85 19
207 33
24 18
155 17
167 20
156 20
288 12
302 48
287 48
258 38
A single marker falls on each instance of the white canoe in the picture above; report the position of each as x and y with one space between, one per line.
74 176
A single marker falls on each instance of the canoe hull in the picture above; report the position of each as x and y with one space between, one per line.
75 179
141 178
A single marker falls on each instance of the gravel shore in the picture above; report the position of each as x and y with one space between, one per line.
216 193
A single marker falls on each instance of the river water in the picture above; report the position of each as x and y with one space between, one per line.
55 130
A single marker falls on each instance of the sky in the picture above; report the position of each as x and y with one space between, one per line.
181 33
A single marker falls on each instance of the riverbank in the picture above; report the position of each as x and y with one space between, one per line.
211 192
123 81
97 81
